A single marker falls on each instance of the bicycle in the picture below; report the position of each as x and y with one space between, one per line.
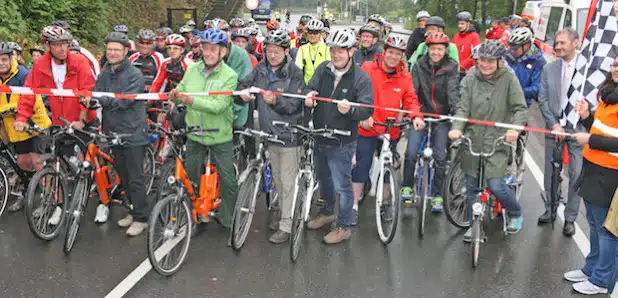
555 190
424 174
173 213
486 204
257 174
306 183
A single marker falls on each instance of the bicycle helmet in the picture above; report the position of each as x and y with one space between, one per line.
304 19
278 37
251 21
422 14
370 28
191 23
475 52
272 25
37 48
207 24
215 36
185 29
237 22
121 28
491 49
464 16
520 36
62 24
395 41
315 25
220 24
145 34
437 38
376 18
163 32
245 32
118 37
195 40
55 33
15 46
175 40
436 21
344 38
74 46
6 49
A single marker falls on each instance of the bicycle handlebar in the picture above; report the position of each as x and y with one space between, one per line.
324 132
260 134
500 140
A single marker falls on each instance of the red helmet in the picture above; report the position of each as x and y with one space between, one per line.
272 25
175 40
395 41
437 38
195 40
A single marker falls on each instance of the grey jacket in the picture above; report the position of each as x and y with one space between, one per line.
550 95
287 79
121 115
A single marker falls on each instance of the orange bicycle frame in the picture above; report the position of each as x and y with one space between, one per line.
209 192
102 176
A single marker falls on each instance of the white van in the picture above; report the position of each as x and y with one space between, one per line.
555 15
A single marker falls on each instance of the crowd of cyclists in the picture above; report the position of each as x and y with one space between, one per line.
497 80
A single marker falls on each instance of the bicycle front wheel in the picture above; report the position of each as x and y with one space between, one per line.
150 168
5 189
455 198
298 221
387 205
245 208
476 241
46 192
424 195
76 211
169 234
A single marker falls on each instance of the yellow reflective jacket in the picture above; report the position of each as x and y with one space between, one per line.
310 56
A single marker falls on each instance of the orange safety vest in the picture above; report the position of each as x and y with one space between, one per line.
605 124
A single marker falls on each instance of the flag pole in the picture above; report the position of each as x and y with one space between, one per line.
592 14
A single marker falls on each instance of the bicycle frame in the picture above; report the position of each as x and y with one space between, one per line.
102 177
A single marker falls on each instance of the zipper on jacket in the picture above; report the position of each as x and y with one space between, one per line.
433 89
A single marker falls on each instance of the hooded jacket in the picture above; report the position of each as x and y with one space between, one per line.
498 99
390 90
528 69
288 79
362 55
465 42
423 50
437 86
121 115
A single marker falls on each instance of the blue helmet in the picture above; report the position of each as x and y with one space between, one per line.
215 36
121 28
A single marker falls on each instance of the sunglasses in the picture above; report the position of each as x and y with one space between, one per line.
146 42
314 32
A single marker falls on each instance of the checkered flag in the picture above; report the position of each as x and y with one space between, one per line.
599 49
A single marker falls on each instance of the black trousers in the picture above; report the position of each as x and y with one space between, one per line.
128 161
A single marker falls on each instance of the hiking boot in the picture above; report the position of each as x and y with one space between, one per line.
279 237
17 205
126 222
319 221
337 235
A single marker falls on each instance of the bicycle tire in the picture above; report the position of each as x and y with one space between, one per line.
422 211
247 198
179 207
76 211
165 188
455 204
365 194
29 206
150 168
554 192
476 241
5 189
386 238
298 222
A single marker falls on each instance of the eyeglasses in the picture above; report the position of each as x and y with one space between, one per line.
314 32
146 42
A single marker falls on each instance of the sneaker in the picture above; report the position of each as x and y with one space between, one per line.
18 204
126 222
513 225
55 218
407 195
575 276
436 204
319 221
337 235
136 228
588 288
468 236
102 213
279 237
355 217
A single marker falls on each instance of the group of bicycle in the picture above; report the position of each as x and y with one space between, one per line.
211 159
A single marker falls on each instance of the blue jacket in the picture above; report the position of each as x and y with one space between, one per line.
19 78
528 69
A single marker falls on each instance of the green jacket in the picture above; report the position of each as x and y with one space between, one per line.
210 111
238 59
499 99
423 49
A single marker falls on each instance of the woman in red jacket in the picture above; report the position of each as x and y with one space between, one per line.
392 88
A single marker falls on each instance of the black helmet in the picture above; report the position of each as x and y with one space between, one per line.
370 28
436 21
5 48
491 49
464 16
145 34
278 37
118 37
304 19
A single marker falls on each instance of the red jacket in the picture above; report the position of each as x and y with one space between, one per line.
390 91
494 33
465 41
254 61
79 76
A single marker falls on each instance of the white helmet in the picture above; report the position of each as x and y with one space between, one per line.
520 36
422 14
315 25
344 38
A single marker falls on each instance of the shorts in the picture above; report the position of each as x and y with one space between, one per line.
30 145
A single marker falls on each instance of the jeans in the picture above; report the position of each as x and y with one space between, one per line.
284 164
601 261
128 161
223 156
334 169
365 151
439 141
575 166
498 188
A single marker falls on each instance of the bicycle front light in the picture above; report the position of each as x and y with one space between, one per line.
171 180
428 152
477 208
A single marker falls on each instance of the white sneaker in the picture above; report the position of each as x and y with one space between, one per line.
102 213
575 276
125 222
136 228
588 288
55 218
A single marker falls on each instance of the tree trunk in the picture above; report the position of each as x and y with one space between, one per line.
476 4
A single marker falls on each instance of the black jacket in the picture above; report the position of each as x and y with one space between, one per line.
362 55
437 86
122 115
355 86
289 79
416 38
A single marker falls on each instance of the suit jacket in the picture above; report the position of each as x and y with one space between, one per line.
550 95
